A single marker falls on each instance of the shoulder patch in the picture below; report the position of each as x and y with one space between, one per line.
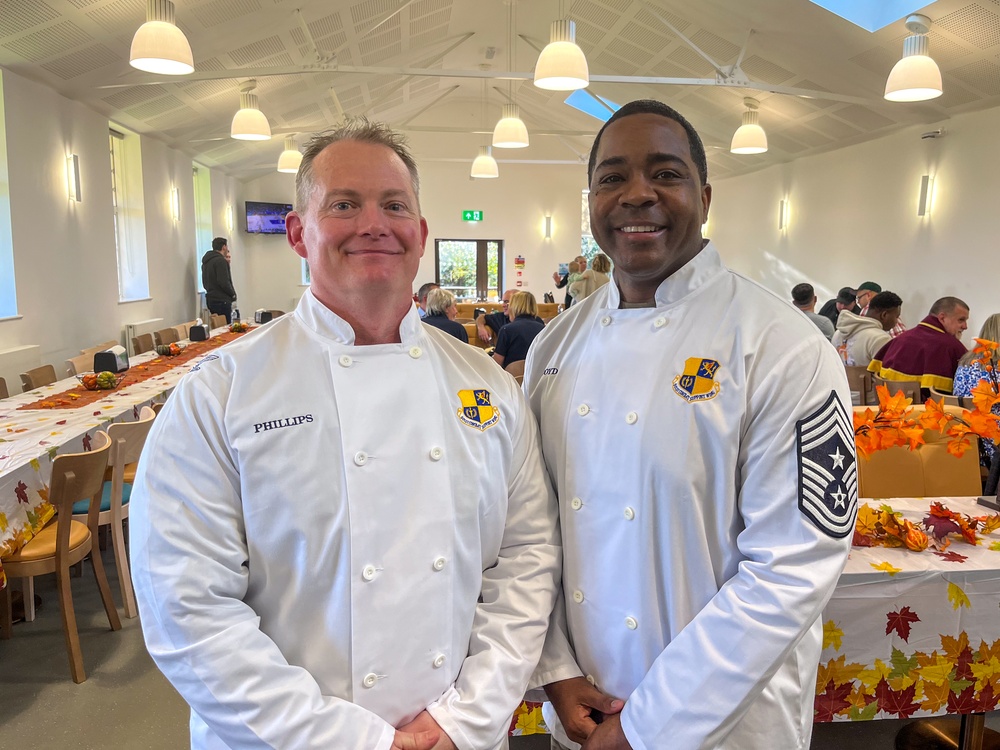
828 472
476 409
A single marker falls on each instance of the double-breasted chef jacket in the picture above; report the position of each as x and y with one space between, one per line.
329 538
703 458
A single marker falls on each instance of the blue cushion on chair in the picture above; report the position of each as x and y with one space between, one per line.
80 507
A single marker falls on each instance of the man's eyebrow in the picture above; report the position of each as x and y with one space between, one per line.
656 157
354 194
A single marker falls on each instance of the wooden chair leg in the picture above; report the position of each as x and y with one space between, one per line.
6 613
28 590
103 587
69 625
124 575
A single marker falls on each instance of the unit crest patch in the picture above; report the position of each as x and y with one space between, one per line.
828 473
697 382
476 410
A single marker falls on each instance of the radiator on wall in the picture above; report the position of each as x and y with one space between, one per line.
17 360
137 329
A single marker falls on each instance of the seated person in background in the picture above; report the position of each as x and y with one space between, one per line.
968 375
930 351
866 291
489 324
846 300
441 313
804 298
592 278
865 334
422 293
515 338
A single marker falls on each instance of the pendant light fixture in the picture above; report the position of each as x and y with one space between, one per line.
510 131
249 123
484 166
750 137
158 45
916 77
290 158
562 66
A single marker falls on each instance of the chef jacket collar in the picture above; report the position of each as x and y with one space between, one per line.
685 280
319 318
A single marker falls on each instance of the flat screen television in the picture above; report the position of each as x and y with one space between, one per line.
266 218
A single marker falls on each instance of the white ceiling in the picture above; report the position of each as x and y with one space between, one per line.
80 47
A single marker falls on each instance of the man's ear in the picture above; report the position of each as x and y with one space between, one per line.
294 231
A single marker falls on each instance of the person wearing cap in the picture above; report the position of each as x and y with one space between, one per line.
804 299
866 291
845 300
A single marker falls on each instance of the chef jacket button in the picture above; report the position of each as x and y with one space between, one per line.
360 458
576 503
438 661
606 320
436 453
660 322
629 514
415 352
439 563
631 417
578 596
583 410
370 679
630 623
345 360
368 573
591 680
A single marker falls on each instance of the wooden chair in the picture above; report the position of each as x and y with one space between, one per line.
157 407
80 363
218 321
65 542
910 387
949 400
127 440
165 336
276 313
860 382
182 331
547 310
4 393
99 348
516 369
142 343
37 377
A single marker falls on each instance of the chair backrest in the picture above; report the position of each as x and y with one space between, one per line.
142 343
80 363
182 331
218 321
547 310
78 476
950 400
4 393
516 369
910 387
157 407
99 348
165 336
860 382
127 441
37 377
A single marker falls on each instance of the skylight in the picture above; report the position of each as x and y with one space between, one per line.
872 15
587 104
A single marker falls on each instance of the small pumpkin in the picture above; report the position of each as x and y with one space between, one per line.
163 350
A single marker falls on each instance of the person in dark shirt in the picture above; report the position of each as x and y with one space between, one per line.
441 313
845 301
488 325
515 338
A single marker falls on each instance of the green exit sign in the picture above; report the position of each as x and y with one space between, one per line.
472 215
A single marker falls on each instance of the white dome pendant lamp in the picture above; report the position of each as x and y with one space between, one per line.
158 45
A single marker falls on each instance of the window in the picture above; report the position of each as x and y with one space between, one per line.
588 245
202 217
129 219
8 291
471 269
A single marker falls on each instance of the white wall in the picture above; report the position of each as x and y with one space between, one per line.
64 252
854 218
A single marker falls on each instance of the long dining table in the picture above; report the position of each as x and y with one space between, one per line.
62 418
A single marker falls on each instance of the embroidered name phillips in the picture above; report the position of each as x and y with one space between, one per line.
274 424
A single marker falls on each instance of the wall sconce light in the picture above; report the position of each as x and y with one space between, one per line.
783 214
175 204
926 199
548 227
73 177
230 221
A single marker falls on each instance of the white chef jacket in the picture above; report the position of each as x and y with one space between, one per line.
326 539
692 578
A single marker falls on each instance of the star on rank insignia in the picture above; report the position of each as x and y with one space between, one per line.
697 382
476 410
828 474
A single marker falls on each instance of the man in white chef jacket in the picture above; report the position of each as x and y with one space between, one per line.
342 531
698 435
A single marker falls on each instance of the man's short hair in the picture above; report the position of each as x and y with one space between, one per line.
218 243
803 295
847 296
359 129
439 300
884 301
947 305
653 107
869 286
523 303
424 289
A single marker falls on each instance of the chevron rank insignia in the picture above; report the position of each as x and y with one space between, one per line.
476 410
697 382
828 473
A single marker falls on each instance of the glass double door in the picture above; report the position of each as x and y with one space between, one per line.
471 269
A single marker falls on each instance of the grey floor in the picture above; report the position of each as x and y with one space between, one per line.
126 703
